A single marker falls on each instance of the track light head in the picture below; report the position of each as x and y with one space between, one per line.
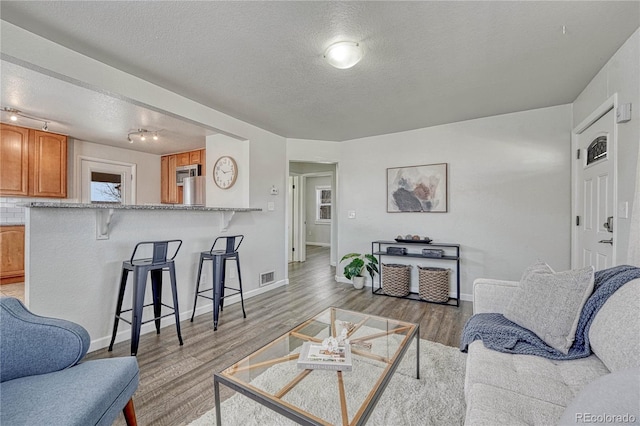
14 113
142 134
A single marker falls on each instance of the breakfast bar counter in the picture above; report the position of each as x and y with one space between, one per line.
74 254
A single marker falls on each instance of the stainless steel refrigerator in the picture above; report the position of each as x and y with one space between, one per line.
194 192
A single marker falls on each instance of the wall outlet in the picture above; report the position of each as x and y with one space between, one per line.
351 214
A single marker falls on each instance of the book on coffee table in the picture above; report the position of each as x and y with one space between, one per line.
314 357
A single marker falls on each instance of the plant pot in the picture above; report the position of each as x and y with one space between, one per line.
358 283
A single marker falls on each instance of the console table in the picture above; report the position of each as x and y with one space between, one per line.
452 254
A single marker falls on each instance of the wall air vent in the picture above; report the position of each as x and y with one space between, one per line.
267 278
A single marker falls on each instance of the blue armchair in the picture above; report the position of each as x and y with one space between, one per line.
42 380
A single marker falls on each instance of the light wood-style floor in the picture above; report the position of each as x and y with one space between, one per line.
176 382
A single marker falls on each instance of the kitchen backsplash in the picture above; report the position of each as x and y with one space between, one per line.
12 214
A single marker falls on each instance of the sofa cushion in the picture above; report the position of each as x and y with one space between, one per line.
31 344
91 393
490 406
616 395
556 382
549 303
614 335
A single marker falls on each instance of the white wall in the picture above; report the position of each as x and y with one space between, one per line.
620 75
147 168
238 195
317 233
509 191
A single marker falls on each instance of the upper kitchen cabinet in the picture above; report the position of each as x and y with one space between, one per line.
47 165
183 159
195 156
33 163
170 192
14 160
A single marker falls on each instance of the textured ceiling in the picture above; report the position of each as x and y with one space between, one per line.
425 63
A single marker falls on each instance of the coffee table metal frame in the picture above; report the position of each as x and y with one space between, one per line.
275 403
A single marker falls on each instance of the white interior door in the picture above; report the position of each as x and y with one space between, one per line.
106 181
595 193
294 235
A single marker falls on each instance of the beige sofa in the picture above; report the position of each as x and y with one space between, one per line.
529 390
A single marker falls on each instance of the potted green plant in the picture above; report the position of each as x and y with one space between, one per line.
355 269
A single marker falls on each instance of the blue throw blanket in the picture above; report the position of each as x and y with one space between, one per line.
502 335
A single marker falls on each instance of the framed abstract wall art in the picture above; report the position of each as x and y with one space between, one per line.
417 189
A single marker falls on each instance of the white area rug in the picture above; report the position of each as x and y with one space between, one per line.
436 399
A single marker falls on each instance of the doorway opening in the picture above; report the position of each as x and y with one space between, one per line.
312 216
105 181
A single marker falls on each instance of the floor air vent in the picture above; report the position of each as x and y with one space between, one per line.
267 278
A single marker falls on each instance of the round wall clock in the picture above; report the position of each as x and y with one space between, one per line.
225 172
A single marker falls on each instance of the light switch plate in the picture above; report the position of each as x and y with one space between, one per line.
271 206
351 214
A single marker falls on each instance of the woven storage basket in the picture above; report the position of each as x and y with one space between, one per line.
433 284
396 279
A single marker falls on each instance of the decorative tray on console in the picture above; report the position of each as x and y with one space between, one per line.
424 241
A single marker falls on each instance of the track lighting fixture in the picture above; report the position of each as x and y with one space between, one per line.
14 114
142 134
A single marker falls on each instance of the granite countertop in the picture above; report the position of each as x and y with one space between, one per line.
56 205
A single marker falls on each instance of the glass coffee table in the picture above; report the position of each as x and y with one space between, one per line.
271 377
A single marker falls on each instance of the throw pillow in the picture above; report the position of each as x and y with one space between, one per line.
549 303
610 399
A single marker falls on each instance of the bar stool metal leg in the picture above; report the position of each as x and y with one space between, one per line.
139 284
174 290
195 299
123 284
224 277
218 280
244 314
156 289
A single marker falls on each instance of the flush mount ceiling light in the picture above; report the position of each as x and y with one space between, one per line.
344 54
143 134
15 114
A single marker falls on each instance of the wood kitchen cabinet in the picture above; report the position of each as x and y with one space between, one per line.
164 179
12 251
14 160
172 190
32 163
194 157
182 159
47 165
170 193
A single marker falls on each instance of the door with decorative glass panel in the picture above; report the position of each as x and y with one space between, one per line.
595 193
107 182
